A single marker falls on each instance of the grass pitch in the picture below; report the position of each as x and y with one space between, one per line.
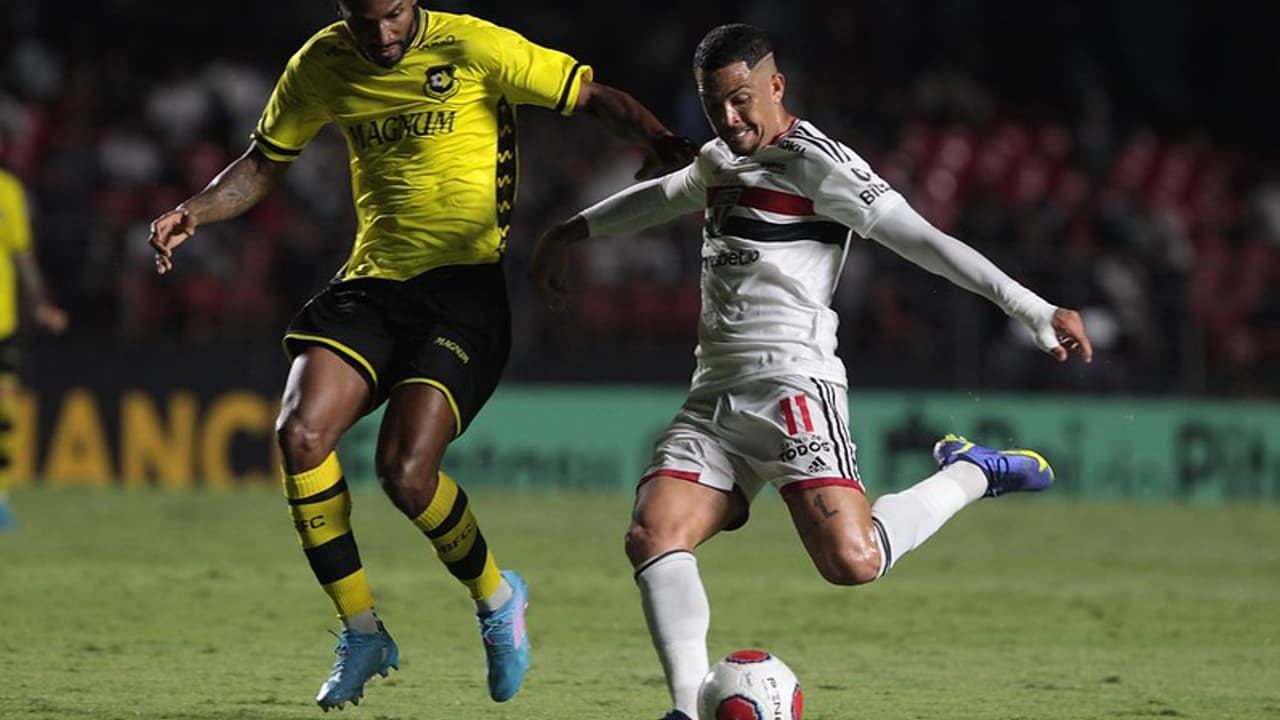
200 605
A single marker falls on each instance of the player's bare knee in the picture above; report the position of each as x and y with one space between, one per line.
850 566
303 445
409 482
644 541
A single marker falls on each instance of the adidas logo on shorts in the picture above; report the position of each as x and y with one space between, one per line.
816 466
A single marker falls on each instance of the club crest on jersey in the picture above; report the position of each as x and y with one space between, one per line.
441 83
722 202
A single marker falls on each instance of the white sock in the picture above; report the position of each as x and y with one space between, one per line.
678 614
366 622
497 599
905 520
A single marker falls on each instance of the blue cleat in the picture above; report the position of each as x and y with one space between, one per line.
1006 470
506 644
675 715
360 657
6 517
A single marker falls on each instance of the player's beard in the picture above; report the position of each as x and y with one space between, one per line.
377 55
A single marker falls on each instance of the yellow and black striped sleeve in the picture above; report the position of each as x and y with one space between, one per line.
528 73
293 115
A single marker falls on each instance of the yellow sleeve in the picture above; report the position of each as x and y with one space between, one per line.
293 115
529 74
15 225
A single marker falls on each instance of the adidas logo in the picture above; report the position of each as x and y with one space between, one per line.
817 465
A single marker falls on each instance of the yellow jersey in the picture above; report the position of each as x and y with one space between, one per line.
15 237
432 140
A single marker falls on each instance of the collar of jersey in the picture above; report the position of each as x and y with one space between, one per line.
424 18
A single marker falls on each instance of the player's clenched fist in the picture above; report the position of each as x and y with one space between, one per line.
168 232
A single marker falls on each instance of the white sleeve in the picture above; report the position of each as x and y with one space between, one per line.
845 188
649 203
904 231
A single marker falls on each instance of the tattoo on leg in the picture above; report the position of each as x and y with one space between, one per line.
822 505
827 513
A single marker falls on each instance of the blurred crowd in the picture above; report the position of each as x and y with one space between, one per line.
1095 157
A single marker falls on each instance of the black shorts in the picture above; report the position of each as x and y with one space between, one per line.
9 355
449 328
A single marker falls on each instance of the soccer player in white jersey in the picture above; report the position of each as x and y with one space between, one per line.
767 403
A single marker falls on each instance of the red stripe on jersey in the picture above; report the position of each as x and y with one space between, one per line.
786 414
804 412
765 199
798 485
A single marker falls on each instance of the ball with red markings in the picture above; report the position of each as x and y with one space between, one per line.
750 685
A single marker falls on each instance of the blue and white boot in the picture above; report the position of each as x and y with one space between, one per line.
506 644
1017 470
6 516
360 657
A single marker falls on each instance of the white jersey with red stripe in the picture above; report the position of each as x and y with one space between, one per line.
776 233
777 228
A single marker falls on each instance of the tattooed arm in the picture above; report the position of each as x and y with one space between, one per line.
236 189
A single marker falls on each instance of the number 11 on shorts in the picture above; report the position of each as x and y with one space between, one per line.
789 413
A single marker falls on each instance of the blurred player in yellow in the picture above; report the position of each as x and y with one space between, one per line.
418 315
17 268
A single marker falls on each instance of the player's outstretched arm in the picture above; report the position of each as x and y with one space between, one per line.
233 191
1058 331
630 120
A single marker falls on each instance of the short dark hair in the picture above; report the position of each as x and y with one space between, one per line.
728 44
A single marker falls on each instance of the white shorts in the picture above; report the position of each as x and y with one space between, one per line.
790 431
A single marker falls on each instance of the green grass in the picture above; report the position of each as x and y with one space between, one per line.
200 605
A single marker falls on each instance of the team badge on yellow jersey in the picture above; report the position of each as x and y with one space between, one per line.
441 83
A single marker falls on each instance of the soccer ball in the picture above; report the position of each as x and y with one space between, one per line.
750 685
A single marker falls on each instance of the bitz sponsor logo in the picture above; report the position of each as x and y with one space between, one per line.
873 191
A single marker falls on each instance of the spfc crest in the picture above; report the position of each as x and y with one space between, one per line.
441 83
724 200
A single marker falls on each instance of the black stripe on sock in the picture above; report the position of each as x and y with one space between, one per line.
451 520
338 488
470 567
653 560
884 545
335 559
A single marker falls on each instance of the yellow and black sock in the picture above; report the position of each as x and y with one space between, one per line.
453 530
320 506
6 433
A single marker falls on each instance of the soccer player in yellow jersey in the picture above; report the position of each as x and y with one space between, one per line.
418 315
17 267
